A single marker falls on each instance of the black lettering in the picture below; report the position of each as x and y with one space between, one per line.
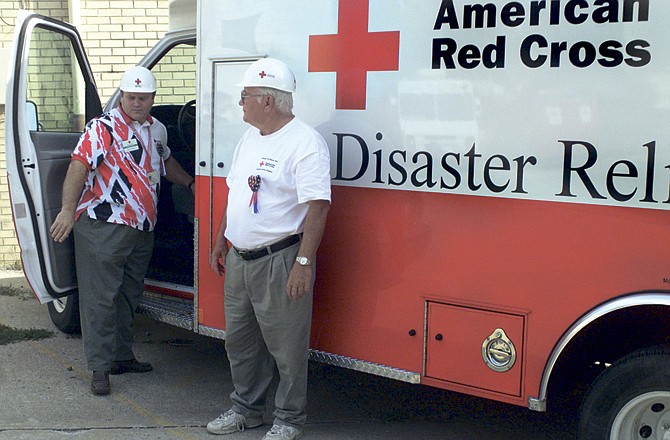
494 54
512 14
468 56
651 165
535 8
488 167
365 156
397 166
440 53
636 49
526 51
555 18
612 57
582 48
556 50
378 167
642 13
607 12
477 14
571 11
521 163
471 155
568 169
451 170
446 15
428 168
611 174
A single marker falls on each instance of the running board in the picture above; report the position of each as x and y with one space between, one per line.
179 312
173 311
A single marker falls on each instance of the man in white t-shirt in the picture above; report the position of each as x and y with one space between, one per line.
278 202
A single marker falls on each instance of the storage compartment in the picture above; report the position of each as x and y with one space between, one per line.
459 339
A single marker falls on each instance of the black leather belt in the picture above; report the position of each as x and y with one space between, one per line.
255 254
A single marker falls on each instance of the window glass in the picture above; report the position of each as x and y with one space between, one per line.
55 82
176 75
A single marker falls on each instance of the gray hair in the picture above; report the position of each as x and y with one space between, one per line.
283 100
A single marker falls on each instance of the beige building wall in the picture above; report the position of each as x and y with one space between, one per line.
116 34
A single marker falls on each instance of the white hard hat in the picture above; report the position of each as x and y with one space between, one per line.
269 72
138 79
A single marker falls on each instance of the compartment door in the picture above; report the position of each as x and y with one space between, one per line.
461 339
50 96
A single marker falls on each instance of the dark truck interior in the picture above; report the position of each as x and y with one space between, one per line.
173 257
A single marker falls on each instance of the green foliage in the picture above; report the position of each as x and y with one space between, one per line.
9 335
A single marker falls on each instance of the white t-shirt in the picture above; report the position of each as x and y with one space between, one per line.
294 168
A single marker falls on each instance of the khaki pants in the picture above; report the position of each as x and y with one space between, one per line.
111 261
264 329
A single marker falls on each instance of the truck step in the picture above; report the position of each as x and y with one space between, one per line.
174 311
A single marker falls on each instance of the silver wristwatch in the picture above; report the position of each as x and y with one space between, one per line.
303 261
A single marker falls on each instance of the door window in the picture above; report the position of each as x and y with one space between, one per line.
55 83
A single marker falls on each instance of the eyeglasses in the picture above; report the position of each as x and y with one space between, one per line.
244 96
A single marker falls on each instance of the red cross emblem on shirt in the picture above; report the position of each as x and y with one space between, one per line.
352 53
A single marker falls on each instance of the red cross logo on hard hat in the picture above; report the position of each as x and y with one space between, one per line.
352 53
138 82
263 74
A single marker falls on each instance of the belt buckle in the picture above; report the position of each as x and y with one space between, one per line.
244 254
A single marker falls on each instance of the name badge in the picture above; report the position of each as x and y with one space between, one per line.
154 178
130 145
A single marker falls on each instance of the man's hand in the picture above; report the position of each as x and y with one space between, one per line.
72 188
217 260
299 281
62 226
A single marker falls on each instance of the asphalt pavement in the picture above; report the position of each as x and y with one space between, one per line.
44 393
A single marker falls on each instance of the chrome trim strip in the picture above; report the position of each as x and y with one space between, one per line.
365 367
212 332
196 318
339 361
424 361
642 299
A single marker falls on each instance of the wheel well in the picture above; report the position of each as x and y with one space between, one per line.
605 340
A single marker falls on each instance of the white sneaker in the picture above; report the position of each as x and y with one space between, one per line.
281 432
230 422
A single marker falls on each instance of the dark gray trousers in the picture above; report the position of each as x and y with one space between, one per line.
111 261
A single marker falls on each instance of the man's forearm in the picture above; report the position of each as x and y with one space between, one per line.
73 185
176 174
315 224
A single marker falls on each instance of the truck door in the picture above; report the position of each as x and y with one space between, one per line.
220 127
51 94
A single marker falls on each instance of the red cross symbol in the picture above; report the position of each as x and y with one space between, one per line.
352 53
138 81
263 74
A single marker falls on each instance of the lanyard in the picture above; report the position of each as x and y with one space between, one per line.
148 149
137 135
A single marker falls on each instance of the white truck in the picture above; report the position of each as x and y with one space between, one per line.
500 222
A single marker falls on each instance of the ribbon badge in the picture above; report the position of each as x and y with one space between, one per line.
254 184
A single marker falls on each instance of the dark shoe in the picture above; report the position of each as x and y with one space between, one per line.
100 383
131 366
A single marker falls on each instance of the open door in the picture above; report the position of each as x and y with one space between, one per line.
51 94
